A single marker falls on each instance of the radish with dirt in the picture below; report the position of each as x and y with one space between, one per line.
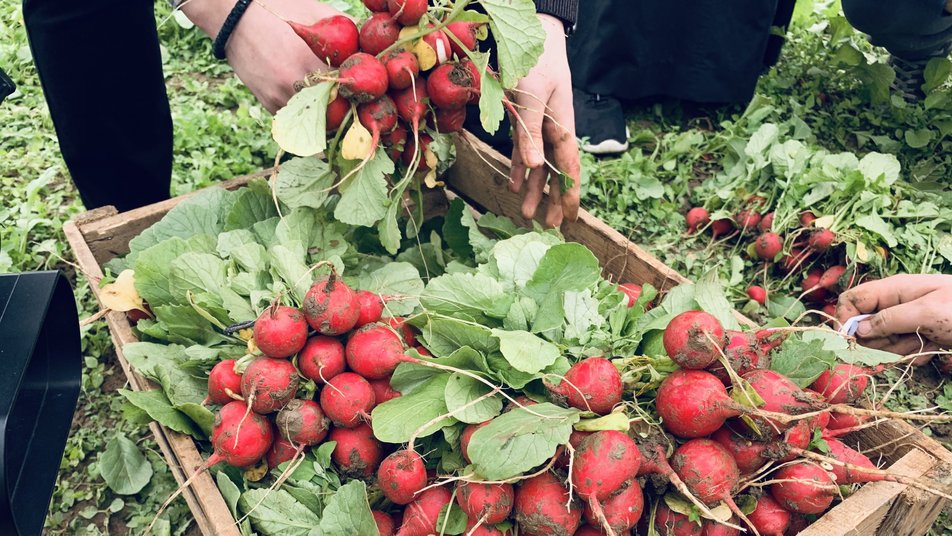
363 78
371 308
347 400
321 359
357 453
269 384
593 384
407 12
709 472
302 422
743 353
749 455
671 523
379 116
603 462
330 306
224 384
401 476
280 331
768 246
544 506
281 451
769 518
693 403
402 69
378 32
374 351
467 33
240 437
384 522
821 240
803 487
620 511
693 338
450 85
421 515
490 503
696 218
843 384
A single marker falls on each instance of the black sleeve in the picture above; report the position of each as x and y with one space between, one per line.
566 10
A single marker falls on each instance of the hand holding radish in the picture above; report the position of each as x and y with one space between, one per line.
911 313
545 130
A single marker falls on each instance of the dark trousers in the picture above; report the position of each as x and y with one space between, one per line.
911 29
101 71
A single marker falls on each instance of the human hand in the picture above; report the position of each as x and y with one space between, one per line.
263 50
911 313
547 88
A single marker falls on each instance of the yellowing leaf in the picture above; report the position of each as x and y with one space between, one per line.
824 222
300 127
425 54
405 32
246 334
613 421
121 295
256 473
430 180
252 347
862 254
357 143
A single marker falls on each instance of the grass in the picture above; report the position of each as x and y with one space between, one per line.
221 132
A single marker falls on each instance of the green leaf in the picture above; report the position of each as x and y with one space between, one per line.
582 315
203 213
304 182
526 352
388 229
348 512
919 137
516 259
287 261
300 127
183 325
123 467
519 37
563 267
848 351
936 73
443 336
255 203
157 406
875 224
517 441
277 513
788 307
802 361
473 295
397 420
363 197
451 519
491 110
709 295
400 282
880 168
462 390
153 267
146 356
196 272
613 421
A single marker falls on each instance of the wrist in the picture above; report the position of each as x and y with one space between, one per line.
209 15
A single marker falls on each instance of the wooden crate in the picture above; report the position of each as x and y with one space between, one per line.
479 177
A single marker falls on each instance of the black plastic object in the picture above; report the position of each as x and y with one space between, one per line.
42 370
7 86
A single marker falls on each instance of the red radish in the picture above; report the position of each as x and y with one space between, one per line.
420 516
769 518
395 142
357 453
379 116
272 383
603 462
465 437
408 12
411 105
240 438
822 419
780 395
798 524
440 44
467 33
821 240
385 524
484 530
795 439
422 351
756 201
378 32
363 78
347 399
377 6
336 112
693 403
399 324
829 310
302 422
543 506
769 339
521 400
696 218
708 470
807 218
748 454
401 476
671 523
281 451
812 281
855 474
712 528
589 530
747 220
943 363
449 121
591 384
330 306
477 79
371 308
768 246
374 351
332 39
223 382
321 359
402 69
621 510
844 384
575 438
758 294
490 502
744 354
830 279
844 421
632 291
692 339
450 85
766 223
408 153
791 262
803 487
280 331
382 390
722 227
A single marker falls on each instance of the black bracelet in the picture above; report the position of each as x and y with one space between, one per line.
229 26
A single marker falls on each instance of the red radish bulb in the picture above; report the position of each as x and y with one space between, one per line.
302 422
280 331
490 502
395 142
692 339
450 85
807 218
331 307
722 227
411 107
758 294
844 384
769 518
743 353
376 6
407 12
336 111
467 435
271 382
385 523
696 218
748 221
321 359
401 476
383 391
371 308
693 403
621 510
420 516
347 399
631 290
467 33
603 462
357 453
591 384
780 395
363 78
400 326
768 246
812 281
821 240
544 506
281 451
803 487
374 351
830 279
766 223
332 39
221 380
708 470
747 454
378 32
671 523
240 438
402 69
449 121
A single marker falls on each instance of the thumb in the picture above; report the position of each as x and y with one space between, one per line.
896 320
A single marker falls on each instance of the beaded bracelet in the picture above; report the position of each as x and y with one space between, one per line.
229 26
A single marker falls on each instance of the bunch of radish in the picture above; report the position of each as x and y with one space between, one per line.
812 254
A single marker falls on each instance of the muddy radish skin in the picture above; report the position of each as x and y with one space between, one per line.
466 33
240 438
401 476
743 353
221 380
490 502
407 12
385 524
708 470
378 32
347 400
591 384
402 69
450 85
693 403
280 331
281 451
363 78
603 462
844 384
302 422
374 351
780 395
321 359
769 518
621 510
540 507
357 453
803 487
331 307
269 384
768 246
420 516
671 523
749 455
692 339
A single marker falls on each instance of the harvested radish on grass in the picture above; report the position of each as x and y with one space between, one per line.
321 359
621 510
450 85
280 331
385 523
758 294
768 246
747 221
793 260
821 240
803 487
347 399
671 523
407 12
812 281
302 422
330 306
371 308
332 39
357 453
383 391
374 351
693 338
766 223
336 111
363 78
696 218
378 32
421 515
722 227
603 462
491 503
281 451
632 291
269 384
693 403
240 437
401 476
543 505
844 384
449 121
402 69
223 382
467 33
830 279
769 518
593 384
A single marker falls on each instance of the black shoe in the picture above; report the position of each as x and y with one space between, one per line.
910 77
601 120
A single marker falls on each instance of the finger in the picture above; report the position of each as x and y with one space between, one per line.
893 320
559 133
884 293
906 345
517 173
528 125
553 215
534 186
